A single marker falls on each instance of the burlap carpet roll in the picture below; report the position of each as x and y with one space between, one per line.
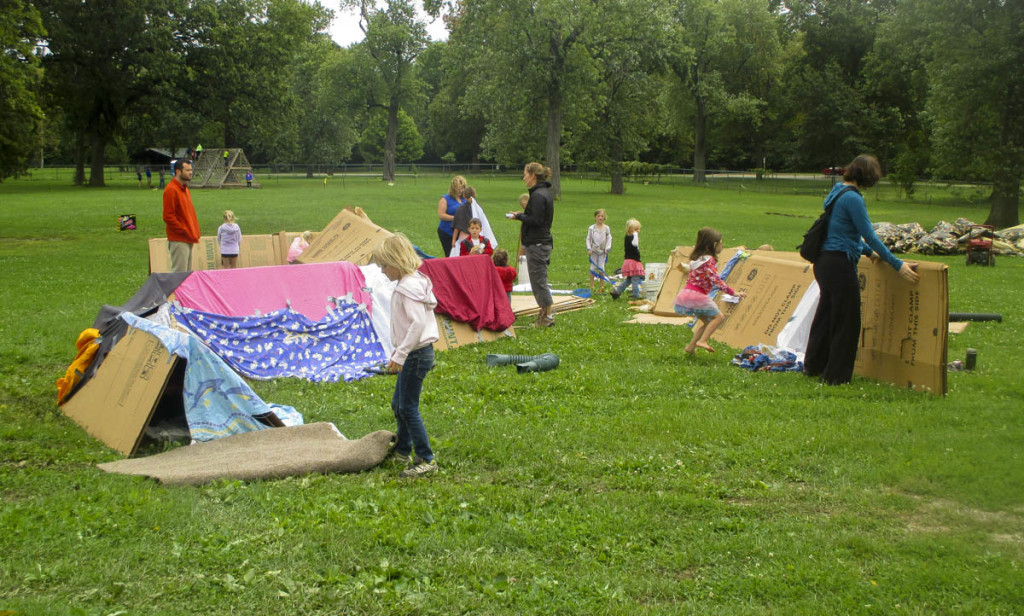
266 454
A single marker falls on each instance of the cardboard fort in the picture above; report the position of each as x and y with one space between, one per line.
904 326
351 236
255 251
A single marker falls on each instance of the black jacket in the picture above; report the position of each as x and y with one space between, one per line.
537 217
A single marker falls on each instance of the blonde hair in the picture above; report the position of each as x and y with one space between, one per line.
457 187
632 225
396 250
538 170
307 235
229 216
600 211
524 198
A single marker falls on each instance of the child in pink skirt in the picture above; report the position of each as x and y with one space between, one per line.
693 300
632 266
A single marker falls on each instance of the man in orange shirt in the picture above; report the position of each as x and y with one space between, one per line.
180 217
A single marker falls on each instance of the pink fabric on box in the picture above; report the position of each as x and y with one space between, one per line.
241 292
469 290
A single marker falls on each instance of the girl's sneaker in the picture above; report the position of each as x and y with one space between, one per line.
398 459
420 468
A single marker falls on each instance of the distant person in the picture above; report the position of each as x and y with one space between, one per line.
229 241
163 181
536 237
180 217
248 178
197 152
695 300
599 244
299 245
506 273
226 157
138 175
413 333
835 330
474 243
446 208
632 265
149 178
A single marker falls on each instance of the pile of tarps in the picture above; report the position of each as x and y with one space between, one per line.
946 238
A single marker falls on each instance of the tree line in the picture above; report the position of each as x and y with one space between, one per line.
934 88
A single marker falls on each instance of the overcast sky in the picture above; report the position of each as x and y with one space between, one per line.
345 27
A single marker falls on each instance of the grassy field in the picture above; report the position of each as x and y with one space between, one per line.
631 480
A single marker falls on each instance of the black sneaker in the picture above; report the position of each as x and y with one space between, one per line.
420 468
615 294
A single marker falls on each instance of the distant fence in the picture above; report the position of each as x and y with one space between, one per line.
926 191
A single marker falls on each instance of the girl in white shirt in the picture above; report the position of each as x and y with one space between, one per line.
413 332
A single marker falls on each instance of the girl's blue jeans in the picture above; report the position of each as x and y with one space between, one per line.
635 281
405 402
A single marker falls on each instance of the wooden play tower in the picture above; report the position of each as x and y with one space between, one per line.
214 169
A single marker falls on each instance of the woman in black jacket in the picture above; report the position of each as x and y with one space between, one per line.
536 236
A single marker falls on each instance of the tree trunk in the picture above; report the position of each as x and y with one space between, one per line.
79 158
1005 200
554 141
391 143
99 145
618 186
700 141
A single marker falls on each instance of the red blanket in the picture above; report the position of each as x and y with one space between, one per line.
469 290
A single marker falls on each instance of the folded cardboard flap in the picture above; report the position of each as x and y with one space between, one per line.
349 237
255 251
455 334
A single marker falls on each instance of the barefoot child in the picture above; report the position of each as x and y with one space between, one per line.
693 300
599 242
413 332
229 240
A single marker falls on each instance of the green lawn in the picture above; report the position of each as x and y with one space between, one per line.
631 480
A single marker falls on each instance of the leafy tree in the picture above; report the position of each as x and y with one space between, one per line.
534 60
104 59
241 61
20 112
394 38
408 142
455 122
629 56
724 54
976 55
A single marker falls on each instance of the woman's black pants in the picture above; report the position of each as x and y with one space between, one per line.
835 331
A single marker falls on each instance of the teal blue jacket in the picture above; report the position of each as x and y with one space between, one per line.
850 224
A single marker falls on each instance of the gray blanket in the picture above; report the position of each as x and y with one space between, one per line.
266 454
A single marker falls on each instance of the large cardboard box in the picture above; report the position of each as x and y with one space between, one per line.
283 241
255 251
349 237
116 405
904 326
454 334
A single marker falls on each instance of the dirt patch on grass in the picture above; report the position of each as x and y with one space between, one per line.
939 516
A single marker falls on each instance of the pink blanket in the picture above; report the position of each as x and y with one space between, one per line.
469 290
241 292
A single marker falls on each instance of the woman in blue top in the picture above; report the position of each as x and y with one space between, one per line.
835 331
446 213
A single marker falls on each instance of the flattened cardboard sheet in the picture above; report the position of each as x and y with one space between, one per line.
454 334
255 251
349 237
117 404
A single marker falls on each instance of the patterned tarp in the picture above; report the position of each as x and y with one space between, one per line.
286 343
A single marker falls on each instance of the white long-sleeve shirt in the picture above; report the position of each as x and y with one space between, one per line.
413 325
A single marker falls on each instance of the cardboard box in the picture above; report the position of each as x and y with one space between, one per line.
116 405
349 237
454 334
255 251
904 326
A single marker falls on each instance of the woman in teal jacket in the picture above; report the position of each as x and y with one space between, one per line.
835 331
